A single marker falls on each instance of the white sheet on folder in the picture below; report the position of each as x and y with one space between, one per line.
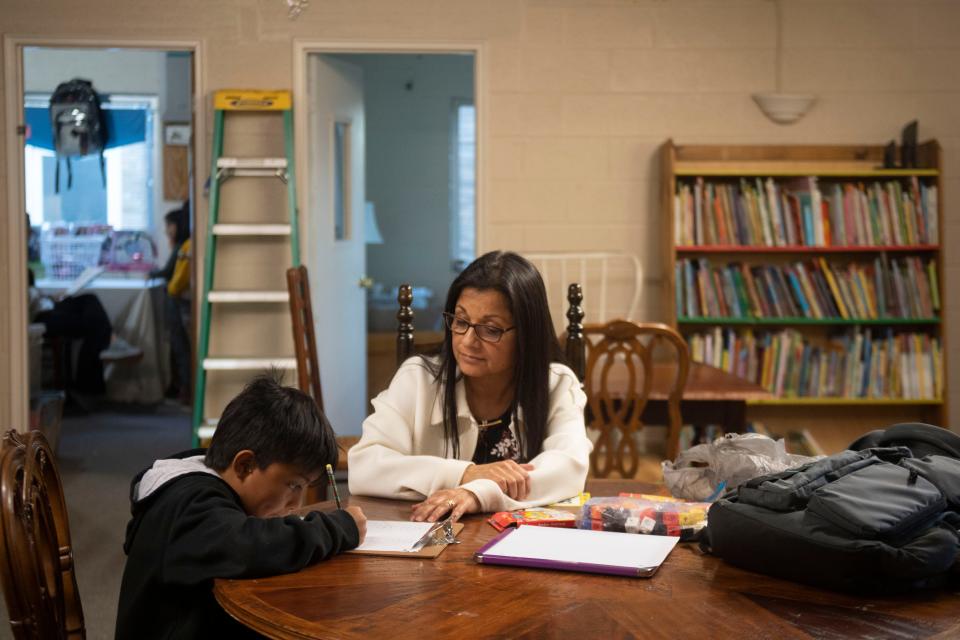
393 535
585 546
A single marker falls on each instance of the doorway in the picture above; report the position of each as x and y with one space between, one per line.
392 200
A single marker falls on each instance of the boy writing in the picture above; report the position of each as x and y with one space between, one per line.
198 517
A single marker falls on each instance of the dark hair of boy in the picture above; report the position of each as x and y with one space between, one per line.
537 346
279 424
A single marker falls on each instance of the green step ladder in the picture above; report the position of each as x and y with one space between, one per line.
223 168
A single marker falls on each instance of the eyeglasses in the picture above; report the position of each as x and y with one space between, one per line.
486 332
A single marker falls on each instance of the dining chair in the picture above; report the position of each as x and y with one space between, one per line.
308 364
36 556
407 346
573 338
622 360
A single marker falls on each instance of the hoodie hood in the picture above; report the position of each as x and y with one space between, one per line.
163 471
149 482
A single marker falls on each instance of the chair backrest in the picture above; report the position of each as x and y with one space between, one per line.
406 343
573 343
624 360
612 282
304 336
36 557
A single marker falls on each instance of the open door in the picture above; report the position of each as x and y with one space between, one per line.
337 247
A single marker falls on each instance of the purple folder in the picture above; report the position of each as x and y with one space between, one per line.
487 554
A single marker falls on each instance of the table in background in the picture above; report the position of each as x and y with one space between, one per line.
691 596
712 395
135 309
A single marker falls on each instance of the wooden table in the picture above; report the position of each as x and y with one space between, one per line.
712 396
692 596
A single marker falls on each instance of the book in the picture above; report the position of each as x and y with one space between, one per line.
603 552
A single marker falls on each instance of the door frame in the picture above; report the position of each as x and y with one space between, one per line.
303 47
13 260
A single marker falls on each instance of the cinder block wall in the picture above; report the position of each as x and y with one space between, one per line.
582 92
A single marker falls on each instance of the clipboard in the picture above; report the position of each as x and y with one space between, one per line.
607 552
429 551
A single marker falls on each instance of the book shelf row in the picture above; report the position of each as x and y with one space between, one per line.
859 363
798 212
885 288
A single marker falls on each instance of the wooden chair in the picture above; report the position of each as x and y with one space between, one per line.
573 338
406 344
36 565
617 414
308 364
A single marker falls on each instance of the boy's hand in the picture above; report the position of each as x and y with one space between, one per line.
512 478
360 519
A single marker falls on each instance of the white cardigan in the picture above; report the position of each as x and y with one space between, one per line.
401 451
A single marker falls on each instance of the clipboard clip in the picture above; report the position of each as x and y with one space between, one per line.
440 533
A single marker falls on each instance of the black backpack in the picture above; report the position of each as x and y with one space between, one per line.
78 123
879 520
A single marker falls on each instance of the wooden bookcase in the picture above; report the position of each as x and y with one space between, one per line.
741 167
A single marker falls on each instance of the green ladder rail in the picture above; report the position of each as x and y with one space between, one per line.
221 169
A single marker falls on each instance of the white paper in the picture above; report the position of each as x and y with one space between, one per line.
86 277
585 546
393 535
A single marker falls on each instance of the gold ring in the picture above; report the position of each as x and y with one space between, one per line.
451 504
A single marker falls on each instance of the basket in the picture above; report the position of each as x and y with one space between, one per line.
64 257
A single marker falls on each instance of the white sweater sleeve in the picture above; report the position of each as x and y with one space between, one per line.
386 461
560 470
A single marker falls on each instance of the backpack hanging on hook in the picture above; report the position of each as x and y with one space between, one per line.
78 124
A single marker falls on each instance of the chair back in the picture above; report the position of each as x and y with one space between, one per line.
308 365
304 336
406 343
36 556
624 369
611 281
573 337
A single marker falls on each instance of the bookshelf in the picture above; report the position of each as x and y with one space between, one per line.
811 271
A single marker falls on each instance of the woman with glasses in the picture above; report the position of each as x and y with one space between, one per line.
492 422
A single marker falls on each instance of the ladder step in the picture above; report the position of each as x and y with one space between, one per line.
248 296
248 364
251 163
206 431
251 229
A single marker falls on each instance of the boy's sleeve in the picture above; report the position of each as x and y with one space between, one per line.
213 538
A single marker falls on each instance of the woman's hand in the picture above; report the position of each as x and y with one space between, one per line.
512 478
456 502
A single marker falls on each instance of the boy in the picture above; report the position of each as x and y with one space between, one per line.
222 515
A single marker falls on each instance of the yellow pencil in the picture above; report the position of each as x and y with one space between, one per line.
333 483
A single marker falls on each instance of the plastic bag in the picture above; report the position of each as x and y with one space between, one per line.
702 472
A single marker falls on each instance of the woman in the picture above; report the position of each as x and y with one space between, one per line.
494 421
177 303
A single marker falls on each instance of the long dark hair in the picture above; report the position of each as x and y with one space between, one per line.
537 345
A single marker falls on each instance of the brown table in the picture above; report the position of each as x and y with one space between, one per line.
712 396
692 596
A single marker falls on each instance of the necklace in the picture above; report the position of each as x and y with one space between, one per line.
485 424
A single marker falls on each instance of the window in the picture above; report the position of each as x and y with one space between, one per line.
463 190
121 196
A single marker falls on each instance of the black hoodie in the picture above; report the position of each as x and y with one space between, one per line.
189 527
